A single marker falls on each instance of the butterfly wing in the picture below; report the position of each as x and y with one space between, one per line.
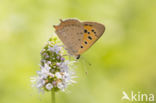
70 32
92 31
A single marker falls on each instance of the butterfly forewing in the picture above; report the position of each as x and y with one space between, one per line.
70 32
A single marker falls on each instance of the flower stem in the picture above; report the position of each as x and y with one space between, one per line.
52 96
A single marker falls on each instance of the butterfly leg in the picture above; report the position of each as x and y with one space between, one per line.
78 57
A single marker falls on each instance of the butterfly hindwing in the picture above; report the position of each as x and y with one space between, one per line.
98 29
92 32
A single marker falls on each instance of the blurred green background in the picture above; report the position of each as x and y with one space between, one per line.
123 59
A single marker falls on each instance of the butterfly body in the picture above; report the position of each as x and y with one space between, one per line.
78 36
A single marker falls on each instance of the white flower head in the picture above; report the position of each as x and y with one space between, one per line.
58 75
60 86
49 86
44 72
55 48
54 70
37 82
64 66
48 62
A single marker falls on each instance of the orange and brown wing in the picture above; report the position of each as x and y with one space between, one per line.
92 32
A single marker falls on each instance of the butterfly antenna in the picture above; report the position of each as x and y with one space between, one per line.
55 26
61 20
85 64
84 69
87 61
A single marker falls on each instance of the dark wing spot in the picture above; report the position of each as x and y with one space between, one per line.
85 42
88 32
85 31
86 24
92 30
81 46
89 37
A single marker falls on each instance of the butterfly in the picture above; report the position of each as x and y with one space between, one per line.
78 36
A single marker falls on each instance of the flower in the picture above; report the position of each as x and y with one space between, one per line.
58 75
55 70
55 48
49 86
44 73
60 86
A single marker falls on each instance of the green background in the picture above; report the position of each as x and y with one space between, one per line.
123 59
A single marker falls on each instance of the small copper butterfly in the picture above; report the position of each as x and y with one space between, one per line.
78 36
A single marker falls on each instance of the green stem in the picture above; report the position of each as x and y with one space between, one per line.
52 96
